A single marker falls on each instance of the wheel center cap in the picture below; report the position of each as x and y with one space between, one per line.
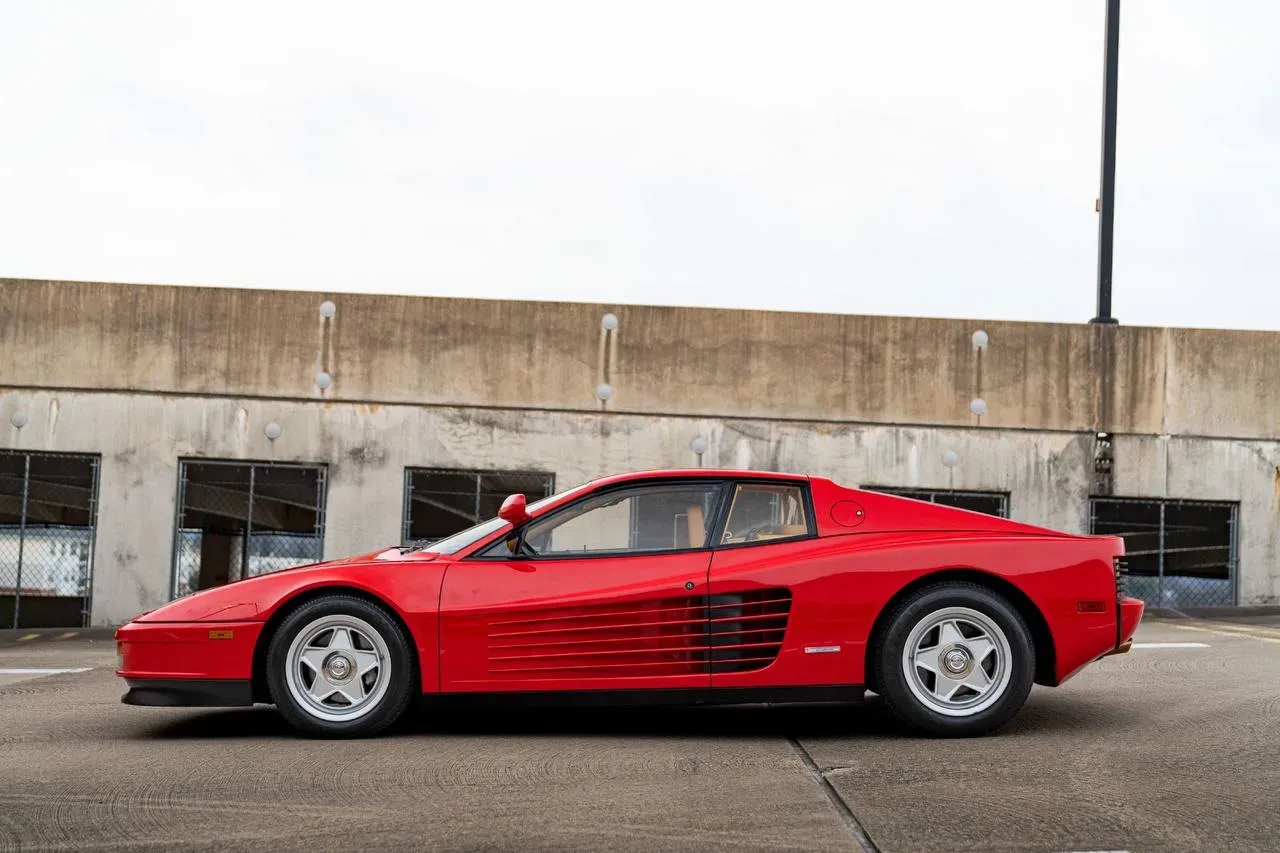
956 661
338 668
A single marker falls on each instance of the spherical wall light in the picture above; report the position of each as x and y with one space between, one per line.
323 380
609 322
273 430
951 459
978 406
604 392
328 309
18 419
699 445
981 339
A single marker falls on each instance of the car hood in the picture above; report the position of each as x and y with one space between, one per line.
239 600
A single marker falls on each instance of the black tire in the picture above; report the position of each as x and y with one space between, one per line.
382 711
991 710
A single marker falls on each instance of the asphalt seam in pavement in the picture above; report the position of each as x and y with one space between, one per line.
850 820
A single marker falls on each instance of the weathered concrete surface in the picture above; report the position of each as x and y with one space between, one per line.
1160 749
1170 750
367 447
81 772
721 363
145 375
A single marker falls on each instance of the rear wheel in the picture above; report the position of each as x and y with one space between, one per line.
956 660
340 666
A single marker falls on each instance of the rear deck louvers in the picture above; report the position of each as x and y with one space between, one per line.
688 635
1122 571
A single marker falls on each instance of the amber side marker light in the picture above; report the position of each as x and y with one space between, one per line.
220 635
1091 607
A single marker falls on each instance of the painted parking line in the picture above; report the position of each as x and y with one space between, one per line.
1258 630
27 637
1227 632
44 671
1170 645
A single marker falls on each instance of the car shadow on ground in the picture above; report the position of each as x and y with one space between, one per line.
869 719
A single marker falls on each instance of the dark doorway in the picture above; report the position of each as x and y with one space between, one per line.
441 502
48 515
240 519
1177 553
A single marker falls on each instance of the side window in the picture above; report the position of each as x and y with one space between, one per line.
763 512
664 517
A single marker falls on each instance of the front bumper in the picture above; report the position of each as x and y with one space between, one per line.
189 692
199 651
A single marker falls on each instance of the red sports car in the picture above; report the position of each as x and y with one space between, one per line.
664 586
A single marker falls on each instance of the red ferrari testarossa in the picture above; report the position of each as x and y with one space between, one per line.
680 586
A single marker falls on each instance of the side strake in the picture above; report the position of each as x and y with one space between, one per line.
664 636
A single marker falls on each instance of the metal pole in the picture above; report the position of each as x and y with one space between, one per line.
22 538
406 520
1106 202
86 572
1160 563
248 526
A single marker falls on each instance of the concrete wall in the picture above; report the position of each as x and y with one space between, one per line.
551 356
145 375
366 448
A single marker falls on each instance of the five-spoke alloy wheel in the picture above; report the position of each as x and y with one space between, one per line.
955 659
340 666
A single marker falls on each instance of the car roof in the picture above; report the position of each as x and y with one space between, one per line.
695 473
554 502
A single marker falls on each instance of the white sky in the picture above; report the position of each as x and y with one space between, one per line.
922 158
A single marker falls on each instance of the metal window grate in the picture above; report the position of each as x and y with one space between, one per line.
991 503
48 518
1178 553
240 519
440 502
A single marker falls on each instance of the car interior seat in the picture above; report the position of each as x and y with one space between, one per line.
697 527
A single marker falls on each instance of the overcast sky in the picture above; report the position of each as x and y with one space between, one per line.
923 158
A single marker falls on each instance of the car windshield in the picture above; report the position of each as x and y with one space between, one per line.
458 541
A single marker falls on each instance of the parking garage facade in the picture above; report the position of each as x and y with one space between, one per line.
158 440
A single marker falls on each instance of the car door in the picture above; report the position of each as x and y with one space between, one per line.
607 592
768 613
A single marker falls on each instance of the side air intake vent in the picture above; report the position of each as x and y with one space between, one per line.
689 635
747 629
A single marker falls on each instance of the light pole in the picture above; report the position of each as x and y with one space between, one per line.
1107 201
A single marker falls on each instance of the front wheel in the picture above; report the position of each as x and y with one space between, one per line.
956 660
340 666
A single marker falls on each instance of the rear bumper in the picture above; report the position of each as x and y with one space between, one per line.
1131 610
1129 615
189 692
1121 649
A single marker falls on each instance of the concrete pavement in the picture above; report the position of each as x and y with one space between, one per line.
1163 749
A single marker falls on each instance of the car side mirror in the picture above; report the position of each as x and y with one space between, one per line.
513 510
